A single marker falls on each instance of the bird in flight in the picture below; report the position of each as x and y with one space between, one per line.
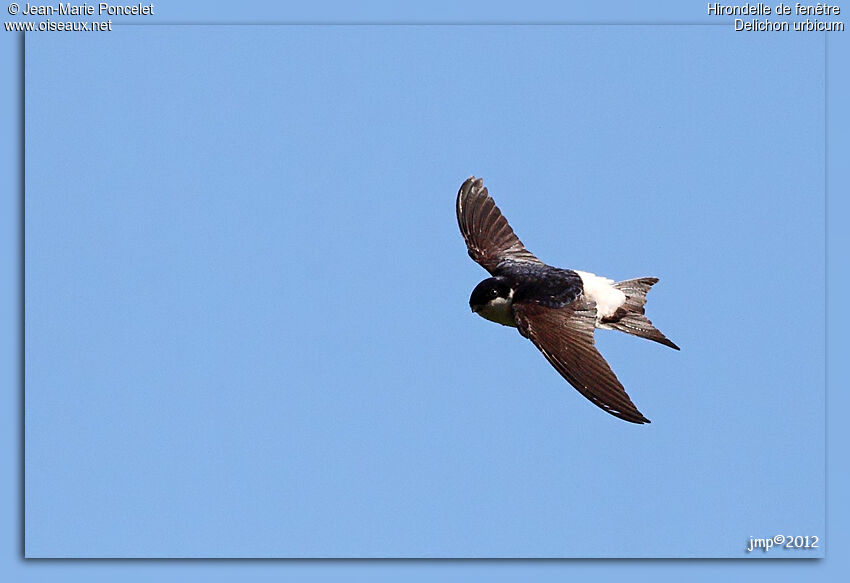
557 309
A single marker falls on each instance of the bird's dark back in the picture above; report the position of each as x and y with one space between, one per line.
542 284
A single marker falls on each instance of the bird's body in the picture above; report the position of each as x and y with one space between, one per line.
557 309
546 285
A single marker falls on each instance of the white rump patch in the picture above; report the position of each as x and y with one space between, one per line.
602 291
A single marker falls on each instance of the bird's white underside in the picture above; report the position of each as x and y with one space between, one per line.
499 310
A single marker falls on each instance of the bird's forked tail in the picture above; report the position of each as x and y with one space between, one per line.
630 318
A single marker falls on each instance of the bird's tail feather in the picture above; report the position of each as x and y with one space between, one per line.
630 318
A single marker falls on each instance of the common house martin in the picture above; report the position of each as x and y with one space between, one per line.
557 309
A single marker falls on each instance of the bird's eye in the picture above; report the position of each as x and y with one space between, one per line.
494 292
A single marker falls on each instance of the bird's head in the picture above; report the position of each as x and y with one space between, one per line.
492 299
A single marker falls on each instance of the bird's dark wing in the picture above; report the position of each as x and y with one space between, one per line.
565 337
489 238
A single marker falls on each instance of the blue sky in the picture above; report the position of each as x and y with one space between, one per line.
192 369
247 325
